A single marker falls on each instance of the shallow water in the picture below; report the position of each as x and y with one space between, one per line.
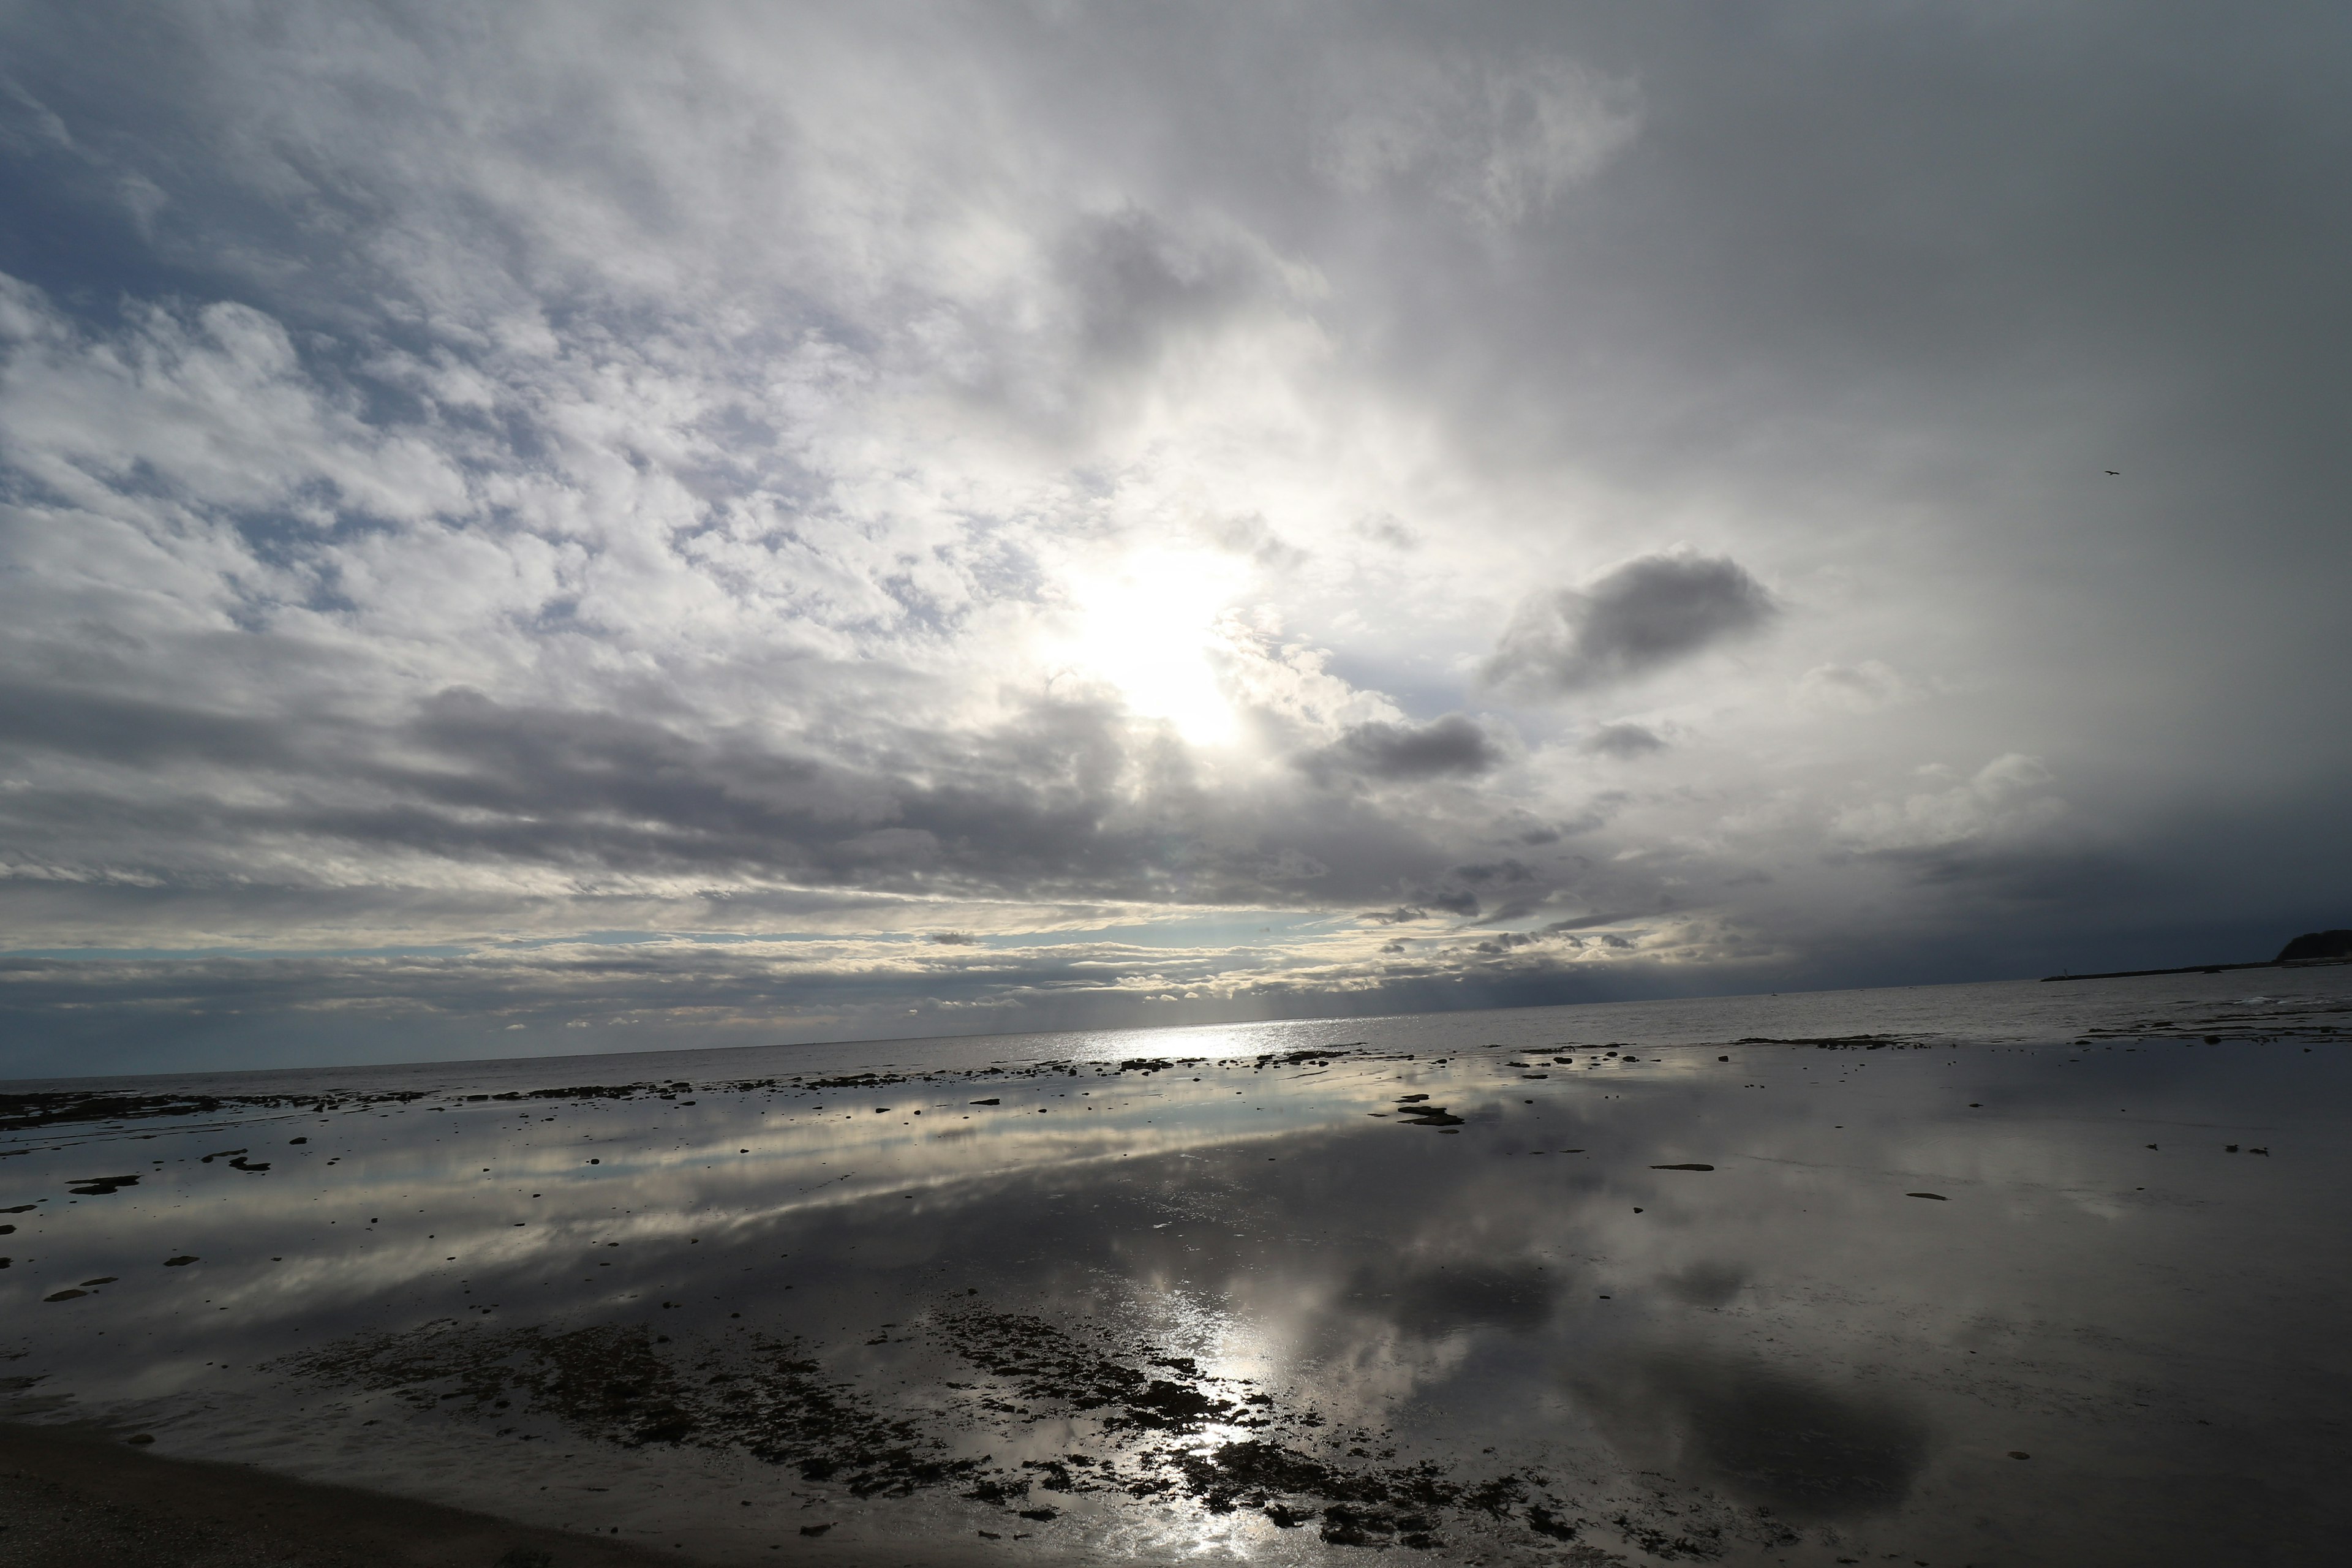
1224 1295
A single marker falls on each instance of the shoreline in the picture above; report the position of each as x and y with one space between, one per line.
2206 969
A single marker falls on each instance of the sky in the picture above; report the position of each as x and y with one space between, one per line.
534 527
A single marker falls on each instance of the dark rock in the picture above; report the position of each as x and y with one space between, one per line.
998 1490
667 1426
64 1294
611 1383
1543 1522
815 1528
1937 1196
1682 1167
1175 1404
1345 1526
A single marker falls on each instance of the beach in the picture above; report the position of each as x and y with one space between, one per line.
1972 1274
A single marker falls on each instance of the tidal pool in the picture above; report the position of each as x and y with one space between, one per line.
1968 1286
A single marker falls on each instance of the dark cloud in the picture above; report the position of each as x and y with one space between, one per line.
1053 798
1454 746
1622 742
1586 923
1506 943
1642 617
1139 284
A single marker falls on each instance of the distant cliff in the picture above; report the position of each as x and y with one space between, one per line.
2317 944
2311 947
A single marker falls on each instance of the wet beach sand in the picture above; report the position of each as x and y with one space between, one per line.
1961 1275
76 1496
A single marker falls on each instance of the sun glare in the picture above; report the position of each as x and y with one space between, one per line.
1149 629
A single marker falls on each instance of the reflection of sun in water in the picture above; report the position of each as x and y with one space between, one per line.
1149 629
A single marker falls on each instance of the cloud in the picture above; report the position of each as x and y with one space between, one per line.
1497 140
1861 688
1454 746
2007 799
1809 1448
1505 942
1642 617
1586 923
1622 742
1383 529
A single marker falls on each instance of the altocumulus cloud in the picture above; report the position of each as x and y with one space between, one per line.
533 529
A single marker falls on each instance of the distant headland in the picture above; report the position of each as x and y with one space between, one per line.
2311 949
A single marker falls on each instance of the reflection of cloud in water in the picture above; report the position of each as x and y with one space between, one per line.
1803 1448
1433 1300
1705 1284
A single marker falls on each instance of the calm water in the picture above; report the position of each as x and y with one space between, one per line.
1238 1294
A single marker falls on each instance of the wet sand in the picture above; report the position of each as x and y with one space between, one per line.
1926 1296
76 1496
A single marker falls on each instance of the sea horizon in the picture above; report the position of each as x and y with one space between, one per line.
1684 1018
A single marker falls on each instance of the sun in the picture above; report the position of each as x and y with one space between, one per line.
1148 628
